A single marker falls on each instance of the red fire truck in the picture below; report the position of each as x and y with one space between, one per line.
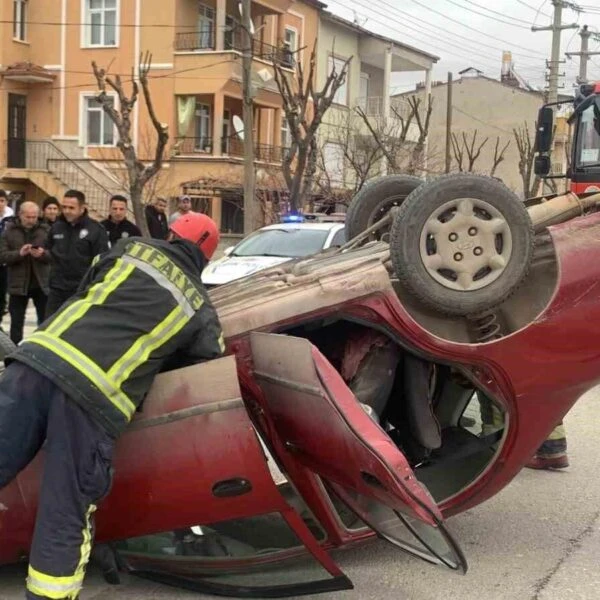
584 171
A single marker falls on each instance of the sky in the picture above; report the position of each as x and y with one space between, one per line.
474 33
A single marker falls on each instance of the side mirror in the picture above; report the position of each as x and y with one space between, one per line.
229 250
597 115
545 126
542 166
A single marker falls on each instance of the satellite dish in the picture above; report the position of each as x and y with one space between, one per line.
238 126
240 8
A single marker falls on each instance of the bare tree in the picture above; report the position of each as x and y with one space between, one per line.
499 155
396 139
526 148
139 173
304 108
467 152
362 156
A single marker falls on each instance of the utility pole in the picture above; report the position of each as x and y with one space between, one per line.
584 54
248 118
449 125
556 28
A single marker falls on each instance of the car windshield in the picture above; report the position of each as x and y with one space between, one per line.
289 243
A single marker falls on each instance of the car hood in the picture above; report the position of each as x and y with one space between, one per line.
229 268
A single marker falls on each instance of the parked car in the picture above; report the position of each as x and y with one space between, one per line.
270 246
390 387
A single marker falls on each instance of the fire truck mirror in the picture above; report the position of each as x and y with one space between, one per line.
597 115
542 166
545 125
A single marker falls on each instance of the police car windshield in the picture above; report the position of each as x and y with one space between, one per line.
286 242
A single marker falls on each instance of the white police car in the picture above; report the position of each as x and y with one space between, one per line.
273 245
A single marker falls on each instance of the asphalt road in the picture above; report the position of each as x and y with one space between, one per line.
539 539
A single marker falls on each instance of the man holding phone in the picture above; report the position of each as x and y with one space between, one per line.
28 264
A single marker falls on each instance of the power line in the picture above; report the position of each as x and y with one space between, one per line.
476 12
472 28
172 75
421 40
536 10
434 29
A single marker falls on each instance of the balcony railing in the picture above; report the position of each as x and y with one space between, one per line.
373 106
194 145
195 40
231 146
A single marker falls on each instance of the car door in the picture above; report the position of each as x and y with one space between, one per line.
324 428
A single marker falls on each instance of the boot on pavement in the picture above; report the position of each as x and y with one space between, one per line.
549 463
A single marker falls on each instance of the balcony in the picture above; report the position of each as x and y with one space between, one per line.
204 40
195 41
231 147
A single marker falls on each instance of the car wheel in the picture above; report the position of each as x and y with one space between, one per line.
6 347
462 244
374 200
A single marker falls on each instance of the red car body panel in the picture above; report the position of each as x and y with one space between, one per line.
166 473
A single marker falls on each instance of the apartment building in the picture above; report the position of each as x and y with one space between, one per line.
375 58
54 135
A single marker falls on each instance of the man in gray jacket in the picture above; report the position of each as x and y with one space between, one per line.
28 264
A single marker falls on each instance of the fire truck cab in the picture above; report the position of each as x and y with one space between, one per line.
584 170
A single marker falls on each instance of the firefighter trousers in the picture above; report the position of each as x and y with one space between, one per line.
77 474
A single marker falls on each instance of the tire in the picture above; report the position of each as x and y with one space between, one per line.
6 347
370 203
492 225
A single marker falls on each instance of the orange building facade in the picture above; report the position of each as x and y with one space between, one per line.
54 135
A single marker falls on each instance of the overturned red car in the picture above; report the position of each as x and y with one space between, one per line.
374 389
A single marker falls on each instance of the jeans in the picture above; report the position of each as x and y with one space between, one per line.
17 307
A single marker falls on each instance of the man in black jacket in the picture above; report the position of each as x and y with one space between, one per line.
73 243
118 226
156 218
78 380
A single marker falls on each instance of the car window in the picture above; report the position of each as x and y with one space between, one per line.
257 556
339 239
290 243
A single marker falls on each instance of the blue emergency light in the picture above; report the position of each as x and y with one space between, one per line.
292 218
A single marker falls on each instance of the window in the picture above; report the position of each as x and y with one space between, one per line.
101 22
203 124
99 129
206 26
333 156
341 96
364 85
339 239
588 140
291 39
286 134
226 133
19 19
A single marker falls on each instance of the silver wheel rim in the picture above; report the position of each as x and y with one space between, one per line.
466 244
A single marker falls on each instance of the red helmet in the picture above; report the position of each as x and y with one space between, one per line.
200 229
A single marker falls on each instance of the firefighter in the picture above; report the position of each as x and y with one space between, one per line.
78 380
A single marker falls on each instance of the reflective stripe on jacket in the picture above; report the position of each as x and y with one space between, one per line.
141 303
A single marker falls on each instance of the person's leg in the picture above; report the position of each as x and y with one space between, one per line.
40 300
23 417
3 290
77 475
56 298
552 454
17 307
